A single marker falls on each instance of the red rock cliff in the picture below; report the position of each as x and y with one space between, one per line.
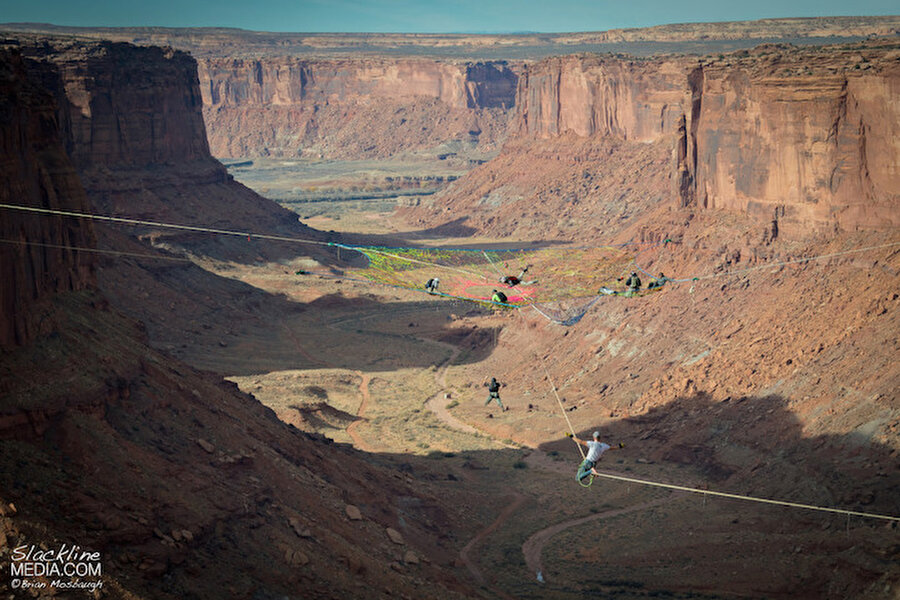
39 254
132 122
808 137
808 140
350 107
128 106
597 96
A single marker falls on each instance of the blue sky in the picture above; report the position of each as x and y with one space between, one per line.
421 16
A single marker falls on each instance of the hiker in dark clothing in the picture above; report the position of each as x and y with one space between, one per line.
432 285
633 284
494 392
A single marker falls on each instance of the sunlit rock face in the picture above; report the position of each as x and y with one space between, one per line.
595 96
804 137
283 106
812 143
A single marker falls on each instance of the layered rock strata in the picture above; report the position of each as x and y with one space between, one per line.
282 106
132 123
809 139
804 138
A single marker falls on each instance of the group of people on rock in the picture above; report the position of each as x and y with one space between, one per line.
632 285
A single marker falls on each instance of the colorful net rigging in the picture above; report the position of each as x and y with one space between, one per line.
561 283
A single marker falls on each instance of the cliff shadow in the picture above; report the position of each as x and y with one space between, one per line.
598 542
224 325
756 445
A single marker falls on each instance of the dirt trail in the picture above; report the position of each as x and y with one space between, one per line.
436 403
534 545
365 378
464 554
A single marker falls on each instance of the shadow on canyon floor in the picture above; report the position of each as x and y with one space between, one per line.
100 460
224 325
759 446
682 544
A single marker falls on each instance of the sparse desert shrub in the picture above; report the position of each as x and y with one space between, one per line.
452 404
316 391
520 464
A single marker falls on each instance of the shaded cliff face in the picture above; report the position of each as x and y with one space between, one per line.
132 123
189 488
40 254
128 106
283 106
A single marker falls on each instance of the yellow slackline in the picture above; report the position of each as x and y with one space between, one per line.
553 388
558 401
695 490
278 238
750 498
97 250
246 234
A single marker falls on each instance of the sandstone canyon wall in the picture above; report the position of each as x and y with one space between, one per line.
132 122
128 106
812 139
284 106
601 96
808 137
40 254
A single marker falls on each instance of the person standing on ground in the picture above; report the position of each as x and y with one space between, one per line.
493 387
